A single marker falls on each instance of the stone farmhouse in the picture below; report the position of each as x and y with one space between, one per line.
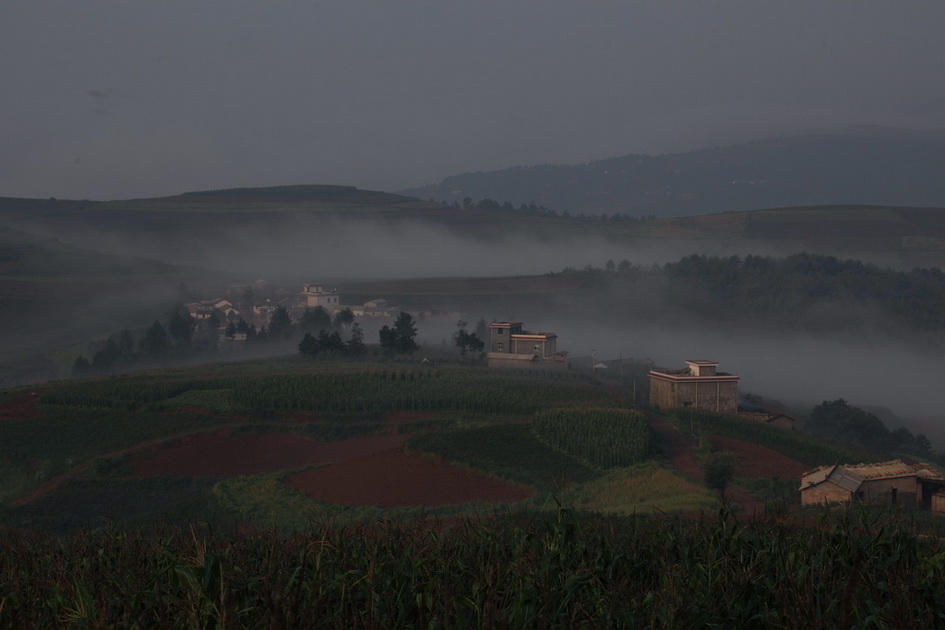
699 386
510 346
890 483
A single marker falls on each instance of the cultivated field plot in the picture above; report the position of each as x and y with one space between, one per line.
277 444
394 478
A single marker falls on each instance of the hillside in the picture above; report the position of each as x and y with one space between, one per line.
274 231
278 442
865 165
54 295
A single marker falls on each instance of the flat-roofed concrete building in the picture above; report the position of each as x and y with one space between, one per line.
313 295
511 346
699 386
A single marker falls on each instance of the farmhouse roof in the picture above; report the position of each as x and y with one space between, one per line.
850 477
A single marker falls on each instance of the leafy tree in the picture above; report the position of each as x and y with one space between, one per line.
315 320
356 346
106 358
330 342
154 342
406 332
388 340
243 327
126 343
719 468
309 345
465 341
280 324
401 338
181 327
216 319
343 319
837 420
230 331
81 366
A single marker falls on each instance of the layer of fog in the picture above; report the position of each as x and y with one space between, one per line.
797 369
311 248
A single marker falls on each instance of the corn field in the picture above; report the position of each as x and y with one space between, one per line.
411 390
856 569
598 437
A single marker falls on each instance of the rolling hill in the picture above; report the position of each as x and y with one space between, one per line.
864 165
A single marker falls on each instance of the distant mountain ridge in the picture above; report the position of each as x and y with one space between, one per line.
866 165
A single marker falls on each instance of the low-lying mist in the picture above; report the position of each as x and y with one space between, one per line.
799 369
312 247
860 364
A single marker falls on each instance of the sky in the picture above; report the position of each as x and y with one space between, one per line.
120 99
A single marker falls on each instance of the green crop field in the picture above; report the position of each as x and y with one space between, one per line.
563 570
593 544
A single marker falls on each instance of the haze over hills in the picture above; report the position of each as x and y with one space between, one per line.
863 165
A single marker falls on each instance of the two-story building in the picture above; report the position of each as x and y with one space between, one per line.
699 386
313 295
511 346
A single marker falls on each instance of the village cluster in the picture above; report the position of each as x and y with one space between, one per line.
240 304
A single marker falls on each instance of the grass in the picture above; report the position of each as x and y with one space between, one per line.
640 489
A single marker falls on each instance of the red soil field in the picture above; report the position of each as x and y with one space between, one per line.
21 408
220 454
398 479
758 462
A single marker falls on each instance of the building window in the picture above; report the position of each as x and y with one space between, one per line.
499 331
500 345
537 347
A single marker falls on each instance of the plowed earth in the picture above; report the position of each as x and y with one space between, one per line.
394 478
758 462
222 454
22 408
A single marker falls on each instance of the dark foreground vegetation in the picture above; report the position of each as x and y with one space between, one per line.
853 568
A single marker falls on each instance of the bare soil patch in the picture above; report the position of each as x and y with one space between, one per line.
222 454
22 408
394 478
758 462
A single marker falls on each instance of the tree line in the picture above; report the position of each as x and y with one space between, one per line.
533 209
789 293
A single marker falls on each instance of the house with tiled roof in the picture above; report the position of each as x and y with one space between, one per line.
893 483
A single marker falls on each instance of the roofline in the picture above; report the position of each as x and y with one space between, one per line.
682 378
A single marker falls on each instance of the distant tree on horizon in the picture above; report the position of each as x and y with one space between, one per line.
399 339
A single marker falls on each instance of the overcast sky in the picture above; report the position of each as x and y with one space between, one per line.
118 99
